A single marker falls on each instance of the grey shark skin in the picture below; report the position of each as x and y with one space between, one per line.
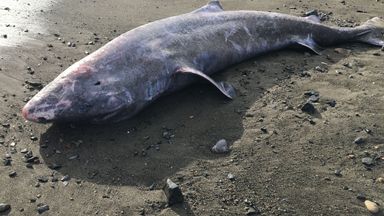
118 80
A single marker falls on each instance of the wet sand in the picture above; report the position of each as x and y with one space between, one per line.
283 160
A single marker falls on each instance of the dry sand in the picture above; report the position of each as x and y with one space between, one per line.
288 168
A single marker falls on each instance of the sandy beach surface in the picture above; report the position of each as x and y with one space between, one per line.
282 160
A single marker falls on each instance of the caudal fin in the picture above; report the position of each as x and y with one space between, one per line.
374 33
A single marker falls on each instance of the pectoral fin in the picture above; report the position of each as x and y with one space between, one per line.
311 44
227 89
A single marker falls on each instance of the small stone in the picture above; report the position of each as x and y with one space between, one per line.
220 147
312 12
264 130
309 108
252 211
361 196
73 157
65 178
359 140
12 174
371 206
331 103
173 193
4 207
367 161
338 173
7 162
167 135
380 180
231 177
42 208
24 151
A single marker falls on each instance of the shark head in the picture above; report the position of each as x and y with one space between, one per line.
79 93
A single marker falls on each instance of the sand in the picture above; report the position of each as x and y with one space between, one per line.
283 160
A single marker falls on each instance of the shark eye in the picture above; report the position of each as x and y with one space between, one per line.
97 83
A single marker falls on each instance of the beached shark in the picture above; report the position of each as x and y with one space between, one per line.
130 72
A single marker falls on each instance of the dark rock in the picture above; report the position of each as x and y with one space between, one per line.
361 196
42 208
173 193
367 161
264 130
359 140
29 165
12 174
309 108
7 161
331 103
4 207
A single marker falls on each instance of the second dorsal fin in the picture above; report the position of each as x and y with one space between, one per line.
212 6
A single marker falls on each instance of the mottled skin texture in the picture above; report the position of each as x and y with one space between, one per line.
130 72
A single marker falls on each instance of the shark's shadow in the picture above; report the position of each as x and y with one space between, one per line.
174 131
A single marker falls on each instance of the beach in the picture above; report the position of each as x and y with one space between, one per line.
282 161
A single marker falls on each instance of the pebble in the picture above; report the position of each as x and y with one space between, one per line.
65 178
12 174
371 206
73 157
42 208
359 140
220 147
7 162
361 196
380 180
24 151
173 192
367 161
231 177
338 173
252 211
312 12
309 108
331 103
4 207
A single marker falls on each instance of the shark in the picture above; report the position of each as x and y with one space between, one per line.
130 72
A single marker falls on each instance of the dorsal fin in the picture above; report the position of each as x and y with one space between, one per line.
212 6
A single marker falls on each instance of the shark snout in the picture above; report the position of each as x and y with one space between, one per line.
43 109
30 113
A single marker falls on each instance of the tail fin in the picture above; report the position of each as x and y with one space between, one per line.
375 32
